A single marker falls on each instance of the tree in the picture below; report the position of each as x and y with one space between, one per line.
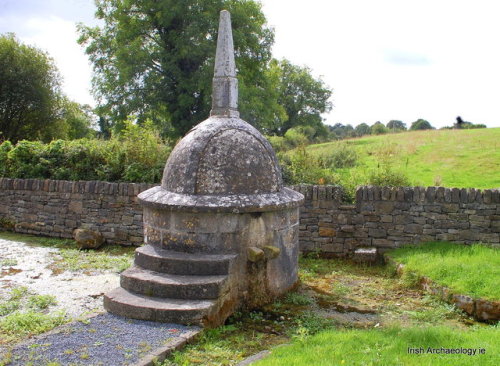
303 97
29 93
461 124
78 118
395 125
154 59
362 129
378 128
339 132
421 124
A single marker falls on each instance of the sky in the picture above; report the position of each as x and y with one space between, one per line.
384 59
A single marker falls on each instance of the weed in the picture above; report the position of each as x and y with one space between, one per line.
386 176
29 323
339 289
311 323
256 316
410 278
8 262
438 180
41 302
74 260
301 333
18 293
9 307
6 223
295 298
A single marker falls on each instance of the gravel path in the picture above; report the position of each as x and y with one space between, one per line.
106 340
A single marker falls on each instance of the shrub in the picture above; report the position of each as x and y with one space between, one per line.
386 176
27 160
295 138
5 147
137 154
278 143
301 167
342 155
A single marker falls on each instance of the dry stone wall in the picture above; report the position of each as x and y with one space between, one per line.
56 208
385 217
382 217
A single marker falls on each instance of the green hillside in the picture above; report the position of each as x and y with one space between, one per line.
449 158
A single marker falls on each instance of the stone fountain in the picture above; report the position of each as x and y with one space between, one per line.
221 232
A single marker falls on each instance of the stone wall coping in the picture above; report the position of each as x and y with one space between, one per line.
310 192
428 194
65 186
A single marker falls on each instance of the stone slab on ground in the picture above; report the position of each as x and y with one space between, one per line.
106 340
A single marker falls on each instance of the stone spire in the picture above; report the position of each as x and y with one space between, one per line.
225 84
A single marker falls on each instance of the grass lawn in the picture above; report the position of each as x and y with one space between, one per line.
344 312
472 270
390 347
449 158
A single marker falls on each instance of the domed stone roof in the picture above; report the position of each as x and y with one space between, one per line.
223 164
223 156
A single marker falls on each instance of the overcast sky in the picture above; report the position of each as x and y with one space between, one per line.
384 59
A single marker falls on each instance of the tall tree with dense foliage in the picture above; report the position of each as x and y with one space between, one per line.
421 124
154 59
362 129
339 131
78 119
303 97
29 93
378 128
396 125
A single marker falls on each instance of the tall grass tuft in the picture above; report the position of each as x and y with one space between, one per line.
471 270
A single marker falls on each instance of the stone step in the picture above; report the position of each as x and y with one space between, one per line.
150 283
127 304
367 255
179 263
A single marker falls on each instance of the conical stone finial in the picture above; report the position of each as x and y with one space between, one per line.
225 84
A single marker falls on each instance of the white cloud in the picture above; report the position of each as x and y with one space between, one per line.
385 59
393 59
58 37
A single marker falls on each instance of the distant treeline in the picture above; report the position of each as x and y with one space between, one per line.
340 131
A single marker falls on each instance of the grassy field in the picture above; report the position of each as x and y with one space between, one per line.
346 314
449 158
390 347
471 270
